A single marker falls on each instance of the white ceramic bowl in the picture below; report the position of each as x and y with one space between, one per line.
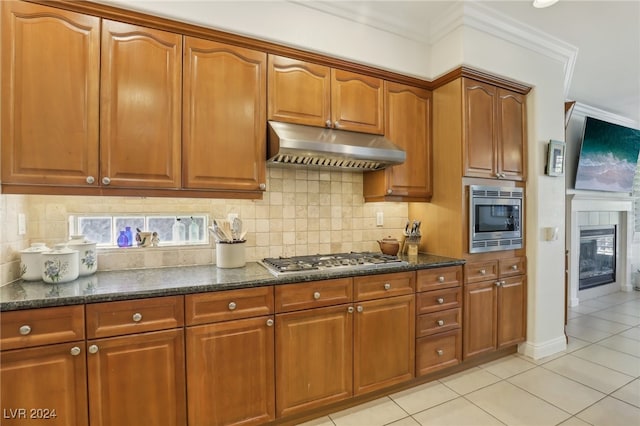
31 261
88 255
60 265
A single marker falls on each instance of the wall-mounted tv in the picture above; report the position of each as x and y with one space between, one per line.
608 157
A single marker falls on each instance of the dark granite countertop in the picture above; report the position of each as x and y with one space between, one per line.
141 283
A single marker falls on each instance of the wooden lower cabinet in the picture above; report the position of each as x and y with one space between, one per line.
137 379
494 315
230 372
314 353
44 385
384 343
438 351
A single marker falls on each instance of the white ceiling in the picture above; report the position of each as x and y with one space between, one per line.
605 35
602 37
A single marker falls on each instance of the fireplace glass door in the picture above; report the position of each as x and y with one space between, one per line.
597 256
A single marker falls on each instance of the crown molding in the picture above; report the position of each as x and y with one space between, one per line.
485 19
463 14
583 110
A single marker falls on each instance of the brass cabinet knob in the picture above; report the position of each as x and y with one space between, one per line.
232 306
137 317
75 351
90 180
350 309
269 322
93 349
106 180
360 309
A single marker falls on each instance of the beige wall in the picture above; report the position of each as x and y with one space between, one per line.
302 212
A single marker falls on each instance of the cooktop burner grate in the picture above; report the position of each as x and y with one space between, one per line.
325 262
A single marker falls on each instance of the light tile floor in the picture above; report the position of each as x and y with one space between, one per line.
596 381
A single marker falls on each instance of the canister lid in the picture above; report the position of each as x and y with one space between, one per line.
36 248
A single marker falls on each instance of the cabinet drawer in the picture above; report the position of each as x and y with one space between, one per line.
293 297
134 316
438 322
438 300
512 266
481 271
228 305
385 285
44 326
438 351
435 279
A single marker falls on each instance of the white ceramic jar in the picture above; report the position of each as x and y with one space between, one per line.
31 261
60 265
88 255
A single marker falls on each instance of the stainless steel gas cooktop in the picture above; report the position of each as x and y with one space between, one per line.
318 263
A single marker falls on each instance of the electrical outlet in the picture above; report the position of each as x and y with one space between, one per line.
22 224
379 218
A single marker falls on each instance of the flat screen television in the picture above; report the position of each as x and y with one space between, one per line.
608 157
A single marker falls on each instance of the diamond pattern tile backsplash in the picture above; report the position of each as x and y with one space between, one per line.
302 212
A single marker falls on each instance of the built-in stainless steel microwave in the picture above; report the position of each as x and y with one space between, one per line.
495 218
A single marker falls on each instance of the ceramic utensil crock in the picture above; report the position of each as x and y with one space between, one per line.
60 265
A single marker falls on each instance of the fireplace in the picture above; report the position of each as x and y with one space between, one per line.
597 260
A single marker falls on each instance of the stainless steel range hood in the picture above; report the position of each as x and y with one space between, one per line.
296 144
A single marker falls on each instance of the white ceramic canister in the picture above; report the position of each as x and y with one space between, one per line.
60 265
88 255
31 262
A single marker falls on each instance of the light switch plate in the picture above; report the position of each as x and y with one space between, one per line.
379 218
22 224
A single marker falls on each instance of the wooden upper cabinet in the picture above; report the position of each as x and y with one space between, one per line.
305 93
224 116
512 155
140 107
357 102
494 132
50 78
299 92
408 125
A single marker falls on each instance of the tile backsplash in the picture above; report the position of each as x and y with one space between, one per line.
302 212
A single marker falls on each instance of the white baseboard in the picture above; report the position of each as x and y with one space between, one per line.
626 287
544 349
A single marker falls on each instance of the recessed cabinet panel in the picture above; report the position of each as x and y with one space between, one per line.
314 358
479 323
224 143
48 382
50 79
479 128
357 102
512 138
299 92
512 312
138 379
230 372
140 111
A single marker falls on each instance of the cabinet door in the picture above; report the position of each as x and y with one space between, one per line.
314 358
408 125
140 106
480 312
137 379
299 92
384 345
230 372
512 135
479 130
51 380
224 143
50 78
357 102
512 311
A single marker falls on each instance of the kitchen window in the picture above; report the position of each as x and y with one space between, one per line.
172 230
